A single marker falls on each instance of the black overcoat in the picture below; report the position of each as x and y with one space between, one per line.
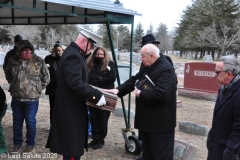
156 108
225 131
103 79
53 70
68 135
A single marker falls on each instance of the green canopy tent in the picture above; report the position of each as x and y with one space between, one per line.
47 12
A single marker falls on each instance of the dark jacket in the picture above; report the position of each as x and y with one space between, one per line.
103 79
225 131
52 63
68 135
9 54
3 108
156 108
167 57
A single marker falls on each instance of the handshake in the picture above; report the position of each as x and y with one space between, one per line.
108 100
102 101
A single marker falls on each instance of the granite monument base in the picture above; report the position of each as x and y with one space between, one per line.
197 94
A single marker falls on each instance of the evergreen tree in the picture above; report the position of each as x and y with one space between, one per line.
162 36
102 30
150 30
138 33
124 38
4 38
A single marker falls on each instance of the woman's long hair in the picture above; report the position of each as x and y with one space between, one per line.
105 61
57 44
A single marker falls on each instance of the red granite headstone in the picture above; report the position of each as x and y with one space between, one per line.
200 76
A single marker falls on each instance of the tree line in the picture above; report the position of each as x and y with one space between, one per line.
39 35
47 35
209 26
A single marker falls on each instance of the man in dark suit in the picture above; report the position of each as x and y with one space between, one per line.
155 114
68 134
150 39
224 137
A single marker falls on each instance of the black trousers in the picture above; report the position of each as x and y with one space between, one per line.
52 103
99 122
157 145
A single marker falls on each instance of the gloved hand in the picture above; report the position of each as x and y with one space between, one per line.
102 101
229 154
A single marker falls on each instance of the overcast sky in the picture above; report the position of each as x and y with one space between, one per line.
157 11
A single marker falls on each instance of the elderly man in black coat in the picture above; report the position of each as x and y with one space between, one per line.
223 141
155 114
68 134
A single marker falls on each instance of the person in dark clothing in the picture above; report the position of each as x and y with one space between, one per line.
223 142
52 61
150 39
155 114
12 52
102 73
68 135
3 108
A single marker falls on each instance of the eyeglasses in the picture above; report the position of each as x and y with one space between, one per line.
218 72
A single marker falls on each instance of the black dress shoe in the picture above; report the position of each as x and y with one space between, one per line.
98 145
92 143
139 157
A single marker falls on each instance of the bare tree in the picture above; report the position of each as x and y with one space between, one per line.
30 33
222 39
51 37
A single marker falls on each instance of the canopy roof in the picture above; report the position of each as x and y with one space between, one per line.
41 12
47 12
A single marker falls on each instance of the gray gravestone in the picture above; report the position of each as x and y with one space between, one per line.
124 72
209 58
2 56
9 108
193 128
184 151
136 58
119 112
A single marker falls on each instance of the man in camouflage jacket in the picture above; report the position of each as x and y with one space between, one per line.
27 75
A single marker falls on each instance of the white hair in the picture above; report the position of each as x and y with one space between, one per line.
150 48
231 63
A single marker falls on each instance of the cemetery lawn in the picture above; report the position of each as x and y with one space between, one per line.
192 110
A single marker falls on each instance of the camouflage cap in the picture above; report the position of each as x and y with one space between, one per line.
24 44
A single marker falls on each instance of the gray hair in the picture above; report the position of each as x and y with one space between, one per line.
231 63
150 48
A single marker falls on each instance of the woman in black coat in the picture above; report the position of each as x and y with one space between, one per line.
102 73
52 61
